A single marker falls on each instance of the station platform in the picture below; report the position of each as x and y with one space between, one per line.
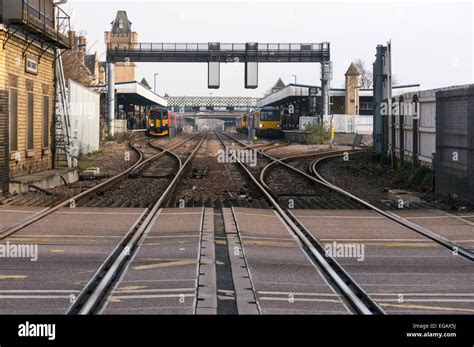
44 180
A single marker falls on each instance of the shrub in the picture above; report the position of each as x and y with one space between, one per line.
319 133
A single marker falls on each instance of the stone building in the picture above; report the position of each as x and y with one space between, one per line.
122 36
29 34
352 91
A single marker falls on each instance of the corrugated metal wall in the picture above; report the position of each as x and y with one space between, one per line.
455 143
426 127
85 117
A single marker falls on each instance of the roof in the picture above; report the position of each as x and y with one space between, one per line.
352 70
137 94
145 83
121 25
278 85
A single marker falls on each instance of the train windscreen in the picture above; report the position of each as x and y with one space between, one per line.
155 114
273 115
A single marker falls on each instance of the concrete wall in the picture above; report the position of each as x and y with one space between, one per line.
296 136
455 143
85 117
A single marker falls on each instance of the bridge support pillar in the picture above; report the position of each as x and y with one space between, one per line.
111 98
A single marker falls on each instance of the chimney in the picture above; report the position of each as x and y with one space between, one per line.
81 49
72 40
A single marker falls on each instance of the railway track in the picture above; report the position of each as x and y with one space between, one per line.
342 282
346 197
95 293
181 167
345 200
210 183
144 159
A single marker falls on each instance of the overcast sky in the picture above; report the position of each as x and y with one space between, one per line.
432 42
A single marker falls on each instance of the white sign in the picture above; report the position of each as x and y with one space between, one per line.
291 109
31 65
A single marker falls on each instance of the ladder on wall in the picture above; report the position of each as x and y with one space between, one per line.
65 151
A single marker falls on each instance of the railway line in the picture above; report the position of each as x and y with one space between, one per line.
409 240
244 243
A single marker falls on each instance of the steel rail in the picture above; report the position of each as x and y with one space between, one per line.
14 228
91 297
366 306
266 170
456 249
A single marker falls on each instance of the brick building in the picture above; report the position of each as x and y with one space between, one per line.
28 39
122 36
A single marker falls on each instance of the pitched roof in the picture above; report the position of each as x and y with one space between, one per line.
279 85
352 70
145 83
121 24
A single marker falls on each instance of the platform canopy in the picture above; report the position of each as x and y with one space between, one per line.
289 93
135 93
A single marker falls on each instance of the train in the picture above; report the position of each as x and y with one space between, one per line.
266 122
160 121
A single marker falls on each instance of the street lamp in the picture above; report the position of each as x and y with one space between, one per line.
154 80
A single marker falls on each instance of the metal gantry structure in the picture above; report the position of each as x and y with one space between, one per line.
215 53
237 103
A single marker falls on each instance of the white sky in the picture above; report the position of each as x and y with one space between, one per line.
432 42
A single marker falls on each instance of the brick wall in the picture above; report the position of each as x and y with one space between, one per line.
454 143
13 64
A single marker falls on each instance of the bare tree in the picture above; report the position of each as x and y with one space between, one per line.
366 75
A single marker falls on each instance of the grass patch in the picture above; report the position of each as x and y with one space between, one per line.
86 164
319 133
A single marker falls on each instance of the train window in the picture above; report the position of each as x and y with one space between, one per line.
158 115
269 115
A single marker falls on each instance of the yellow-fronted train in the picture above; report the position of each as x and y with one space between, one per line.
162 122
266 122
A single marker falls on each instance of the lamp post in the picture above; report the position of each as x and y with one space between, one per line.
154 81
294 77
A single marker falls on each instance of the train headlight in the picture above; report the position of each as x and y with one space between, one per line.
152 123
260 125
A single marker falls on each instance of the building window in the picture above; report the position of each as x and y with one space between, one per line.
366 106
45 116
13 112
30 115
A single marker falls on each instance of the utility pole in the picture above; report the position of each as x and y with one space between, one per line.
111 98
154 81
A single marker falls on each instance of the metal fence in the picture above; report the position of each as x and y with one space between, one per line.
455 144
416 140
349 124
